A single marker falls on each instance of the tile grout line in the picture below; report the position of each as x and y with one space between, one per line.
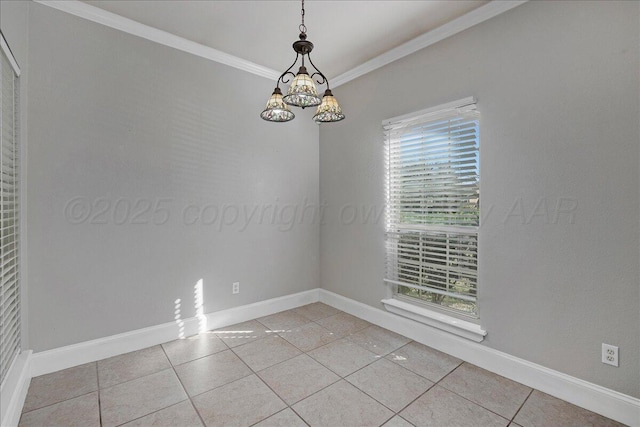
434 382
201 357
141 376
378 357
173 404
283 361
397 413
55 403
98 384
299 415
182 385
465 398
150 413
302 353
409 371
375 360
522 405
344 378
265 383
137 378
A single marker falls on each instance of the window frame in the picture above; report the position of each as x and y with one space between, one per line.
442 317
14 315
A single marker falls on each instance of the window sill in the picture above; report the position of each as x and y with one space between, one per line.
450 324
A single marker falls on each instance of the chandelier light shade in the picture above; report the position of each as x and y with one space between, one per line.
302 91
329 110
276 110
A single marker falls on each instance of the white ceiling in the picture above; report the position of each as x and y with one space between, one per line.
345 33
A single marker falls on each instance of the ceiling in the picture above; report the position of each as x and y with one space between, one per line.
345 33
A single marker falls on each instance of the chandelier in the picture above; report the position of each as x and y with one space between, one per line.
302 91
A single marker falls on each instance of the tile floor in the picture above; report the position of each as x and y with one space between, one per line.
313 365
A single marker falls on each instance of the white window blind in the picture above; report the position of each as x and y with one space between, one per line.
9 213
433 200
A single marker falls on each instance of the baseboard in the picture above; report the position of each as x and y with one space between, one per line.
14 390
89 351
609 403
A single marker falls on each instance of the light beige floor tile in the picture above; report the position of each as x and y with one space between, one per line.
181 414
390 384
243 333
285 418
128 366
398 421
62 385
82 411
297 378
209 372
309 336
194 347
426 361
496 393
240 403
543 410
284 320
343 324
514 425
316 311
266 352
341 404
439 407
128 401
378 340
343 357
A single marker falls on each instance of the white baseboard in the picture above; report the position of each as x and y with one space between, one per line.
89 351
609 403
14 389
28 365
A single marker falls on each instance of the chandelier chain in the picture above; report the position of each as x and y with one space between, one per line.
303 28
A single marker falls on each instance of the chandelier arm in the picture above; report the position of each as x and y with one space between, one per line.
318 72
287 71
320 82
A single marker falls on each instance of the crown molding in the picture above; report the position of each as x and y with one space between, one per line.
112 20
481 14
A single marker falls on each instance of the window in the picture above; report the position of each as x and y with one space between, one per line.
433 200
9 213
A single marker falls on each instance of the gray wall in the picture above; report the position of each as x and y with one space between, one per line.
115 117
14 16
557 89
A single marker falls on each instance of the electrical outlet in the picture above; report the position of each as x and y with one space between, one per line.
236 288
610 354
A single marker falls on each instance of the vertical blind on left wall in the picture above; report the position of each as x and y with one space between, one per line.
9 214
